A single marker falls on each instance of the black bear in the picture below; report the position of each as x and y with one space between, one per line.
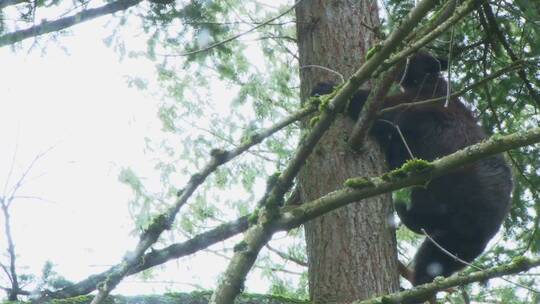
462 210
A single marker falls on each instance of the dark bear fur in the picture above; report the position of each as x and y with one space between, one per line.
462 210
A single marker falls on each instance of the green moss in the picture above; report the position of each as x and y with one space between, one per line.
315 101
438 279
325 101
253 217
242 246
296 212
372 50
520 260
75 300
313 121
497 137
403 202
219 154
158 223
417 166
410 167
359 183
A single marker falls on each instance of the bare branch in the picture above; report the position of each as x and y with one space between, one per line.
371 107
12 295
287 257
293 216
23 176
462 11
6 271
449 72
164 221
212 46
46 27
512 67
494 27
11 167
201 241
259 234
325 69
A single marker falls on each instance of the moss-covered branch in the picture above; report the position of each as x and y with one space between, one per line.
295 216
423 292
441 22
164 221
413 173
463 10
136 261
157 257
260 233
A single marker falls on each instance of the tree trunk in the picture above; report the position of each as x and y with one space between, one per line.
352 251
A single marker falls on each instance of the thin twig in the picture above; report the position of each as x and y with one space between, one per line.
214 45
286 256
12 165
19 182
12 296
293 216
260 233
449 76
326 69
493 24
165 220
458 259
403 106
401 136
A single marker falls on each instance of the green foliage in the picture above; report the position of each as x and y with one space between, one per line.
260 88
220 97
504 105
50 279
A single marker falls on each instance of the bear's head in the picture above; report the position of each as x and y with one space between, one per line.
419 69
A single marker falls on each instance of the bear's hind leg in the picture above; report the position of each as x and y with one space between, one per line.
430 261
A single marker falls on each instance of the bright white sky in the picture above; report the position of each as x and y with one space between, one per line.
80 104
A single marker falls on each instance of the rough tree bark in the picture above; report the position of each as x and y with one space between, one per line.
351 251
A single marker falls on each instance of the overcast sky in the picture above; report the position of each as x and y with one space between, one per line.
78 102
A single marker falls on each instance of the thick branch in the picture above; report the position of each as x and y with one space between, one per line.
46 27
462 11
415 173
294 216
222 232
164 221
372 105
423 292
258 235
157 257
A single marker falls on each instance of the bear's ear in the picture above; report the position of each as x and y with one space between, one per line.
443 63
